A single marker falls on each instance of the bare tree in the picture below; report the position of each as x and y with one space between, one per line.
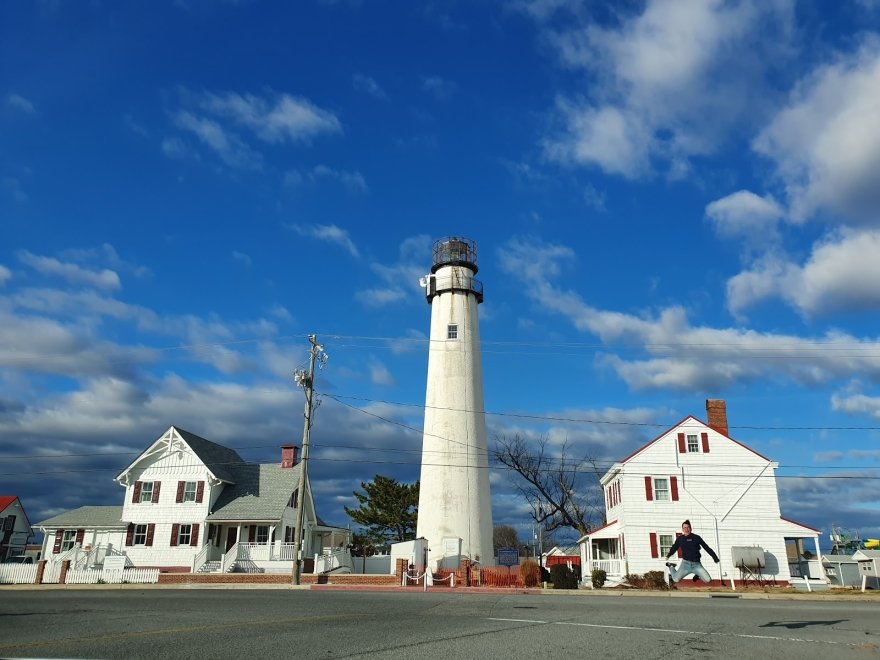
562 491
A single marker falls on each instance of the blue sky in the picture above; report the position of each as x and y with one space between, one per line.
672 200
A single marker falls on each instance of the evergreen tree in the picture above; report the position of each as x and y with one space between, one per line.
388 509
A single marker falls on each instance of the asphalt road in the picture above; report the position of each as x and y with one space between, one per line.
258 623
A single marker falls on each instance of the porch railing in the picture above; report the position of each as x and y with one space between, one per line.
266 552
229 559
610 566
332 560
200 559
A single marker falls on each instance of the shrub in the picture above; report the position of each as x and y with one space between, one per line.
634 580
563 577
656 580
599 576
530 573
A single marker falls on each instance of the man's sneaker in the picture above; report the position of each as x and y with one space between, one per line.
695 578
669 564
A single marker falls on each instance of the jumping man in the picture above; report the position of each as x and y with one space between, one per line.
690 544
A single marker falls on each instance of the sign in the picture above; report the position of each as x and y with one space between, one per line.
114 563
508 556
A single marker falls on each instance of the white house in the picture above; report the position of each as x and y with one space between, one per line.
869 567
15 529
193 505
695 471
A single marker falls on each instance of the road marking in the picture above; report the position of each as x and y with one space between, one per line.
678 632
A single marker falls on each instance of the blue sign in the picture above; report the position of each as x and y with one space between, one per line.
508 556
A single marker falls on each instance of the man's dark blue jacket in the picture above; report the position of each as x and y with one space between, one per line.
690 548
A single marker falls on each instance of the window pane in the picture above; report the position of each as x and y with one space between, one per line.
263 534
140 534
189 491
452 331
184 535
693 445
661 489
147 491
666 542
68 540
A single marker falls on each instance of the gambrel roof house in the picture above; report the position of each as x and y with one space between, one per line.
15 529
695 471
193 505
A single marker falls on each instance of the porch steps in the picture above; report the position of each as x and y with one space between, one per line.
210 567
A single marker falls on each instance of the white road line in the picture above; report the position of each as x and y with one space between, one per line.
679 632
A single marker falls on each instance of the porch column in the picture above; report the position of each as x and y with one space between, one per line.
272 541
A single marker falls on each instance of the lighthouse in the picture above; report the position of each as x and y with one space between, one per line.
455 509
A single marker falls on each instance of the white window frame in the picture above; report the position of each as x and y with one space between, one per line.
184 534
452 331
139 537
68 540
665 542
261 536
693 444
661 489
146 492
189 491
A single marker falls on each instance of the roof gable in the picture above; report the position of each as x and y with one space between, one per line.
689 423
6 500
217 459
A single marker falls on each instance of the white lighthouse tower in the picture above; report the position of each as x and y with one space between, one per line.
455 510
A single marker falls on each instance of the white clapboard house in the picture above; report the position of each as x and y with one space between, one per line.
696 471
15 530
193 505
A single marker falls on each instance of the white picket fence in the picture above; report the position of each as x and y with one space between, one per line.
128 575
27 573
18 573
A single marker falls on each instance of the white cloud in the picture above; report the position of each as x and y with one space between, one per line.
364 83
274 120
665 85
5 275
103 279
744 214
841 274
232 150
440 88
20 103
826 143
379 374
12 186
328 234
680 355
242 258
353 181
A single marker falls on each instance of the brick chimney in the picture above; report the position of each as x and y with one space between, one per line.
288 456
716 410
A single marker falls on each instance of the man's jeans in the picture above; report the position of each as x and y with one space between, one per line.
685 568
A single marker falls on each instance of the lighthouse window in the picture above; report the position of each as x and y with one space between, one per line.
452 331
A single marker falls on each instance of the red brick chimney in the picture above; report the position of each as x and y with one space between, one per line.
288 456
716 410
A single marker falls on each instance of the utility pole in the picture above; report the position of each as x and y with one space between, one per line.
306 381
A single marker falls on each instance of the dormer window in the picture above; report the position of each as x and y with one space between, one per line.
452 331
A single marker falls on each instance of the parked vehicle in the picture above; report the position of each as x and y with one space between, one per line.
19 559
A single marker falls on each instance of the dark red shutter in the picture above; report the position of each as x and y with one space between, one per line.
200 491
151 529
649 493
156 485
194 537
180 486
654 552
59 534
705 437
681 446
677 534
673 485
80 535
136 493
252 533
129 534
175 529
